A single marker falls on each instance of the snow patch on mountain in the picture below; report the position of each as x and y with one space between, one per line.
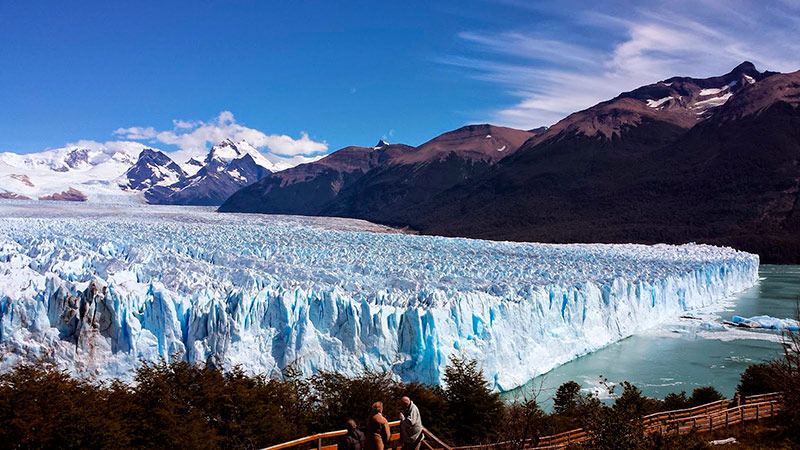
659 102
716 91
98 289
713 102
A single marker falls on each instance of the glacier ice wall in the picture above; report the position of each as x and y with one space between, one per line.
99 289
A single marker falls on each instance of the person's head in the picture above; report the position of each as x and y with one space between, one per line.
406 402
377 407
351 425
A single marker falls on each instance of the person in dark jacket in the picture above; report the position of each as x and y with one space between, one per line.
354 439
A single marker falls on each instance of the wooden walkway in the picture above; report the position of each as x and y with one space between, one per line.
712 416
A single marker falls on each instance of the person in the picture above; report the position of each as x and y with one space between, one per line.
378 433
410 425
354 439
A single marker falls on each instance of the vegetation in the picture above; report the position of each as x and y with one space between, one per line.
180 405
475 410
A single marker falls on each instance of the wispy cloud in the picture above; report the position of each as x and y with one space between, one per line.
194 137
552 73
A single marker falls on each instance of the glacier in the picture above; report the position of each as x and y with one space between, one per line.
98 289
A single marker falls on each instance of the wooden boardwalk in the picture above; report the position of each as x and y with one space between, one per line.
712 416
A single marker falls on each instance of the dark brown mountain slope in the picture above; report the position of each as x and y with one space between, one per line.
732 179
713 160
308 188
376 182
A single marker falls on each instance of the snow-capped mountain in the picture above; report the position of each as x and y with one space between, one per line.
134 173
153 168
227 167
92 172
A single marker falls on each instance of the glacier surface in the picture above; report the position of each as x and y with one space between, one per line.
98 289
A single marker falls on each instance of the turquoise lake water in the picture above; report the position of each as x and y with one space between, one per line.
683 354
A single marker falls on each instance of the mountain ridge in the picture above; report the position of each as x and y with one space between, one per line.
712 160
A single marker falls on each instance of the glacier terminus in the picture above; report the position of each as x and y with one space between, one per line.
98 289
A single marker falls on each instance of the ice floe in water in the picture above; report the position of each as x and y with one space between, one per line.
99 289
766 322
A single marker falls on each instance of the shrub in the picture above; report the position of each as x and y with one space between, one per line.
758 379
704 395
673 401
41 407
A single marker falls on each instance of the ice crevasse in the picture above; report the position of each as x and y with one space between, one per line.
99 290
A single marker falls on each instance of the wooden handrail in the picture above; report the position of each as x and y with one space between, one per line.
433 437
710 416
317 437
332 434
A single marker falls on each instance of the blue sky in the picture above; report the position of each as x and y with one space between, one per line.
308 77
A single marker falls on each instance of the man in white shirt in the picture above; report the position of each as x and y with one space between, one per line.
410 425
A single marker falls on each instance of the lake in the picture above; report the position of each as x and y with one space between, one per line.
685 353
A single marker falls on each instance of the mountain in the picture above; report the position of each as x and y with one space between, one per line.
373 182
227 168
636 169
308 188
714 160
88 173
153 168
133 173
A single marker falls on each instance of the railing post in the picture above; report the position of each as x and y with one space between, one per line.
319 444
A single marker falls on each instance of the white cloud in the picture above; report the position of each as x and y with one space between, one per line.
131 148
138 133
553 74
193 138
186 125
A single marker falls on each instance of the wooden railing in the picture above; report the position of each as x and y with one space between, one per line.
712 416
321 441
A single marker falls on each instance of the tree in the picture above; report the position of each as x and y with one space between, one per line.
524 423
475 410
338 398
787 381
620 427
567 398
